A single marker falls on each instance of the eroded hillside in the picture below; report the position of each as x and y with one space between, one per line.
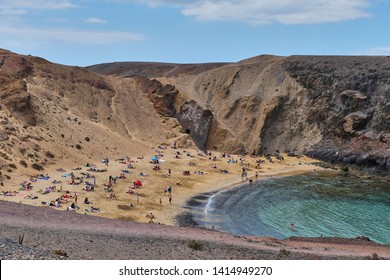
334 108
51 113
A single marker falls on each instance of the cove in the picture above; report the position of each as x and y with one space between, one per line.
317 205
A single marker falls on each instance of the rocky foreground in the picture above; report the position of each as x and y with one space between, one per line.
28 232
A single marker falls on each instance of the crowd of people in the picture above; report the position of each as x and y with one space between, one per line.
90 182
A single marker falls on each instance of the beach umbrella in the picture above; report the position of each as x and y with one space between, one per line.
138 183
153 158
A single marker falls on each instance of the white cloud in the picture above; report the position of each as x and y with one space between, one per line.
17 7
380 51
96 20
15 32
257 12
43 36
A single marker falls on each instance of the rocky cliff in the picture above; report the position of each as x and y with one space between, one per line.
331 107
347 98
334 108
52 113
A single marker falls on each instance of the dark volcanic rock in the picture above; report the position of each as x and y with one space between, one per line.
336 108
162 96
355 121
347 98
196 121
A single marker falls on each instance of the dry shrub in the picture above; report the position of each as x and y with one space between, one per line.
124 207
49 154
36 166
195 245
60 253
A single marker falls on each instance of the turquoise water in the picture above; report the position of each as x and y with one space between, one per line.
318 206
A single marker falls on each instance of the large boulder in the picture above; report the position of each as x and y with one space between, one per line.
355 121
162 96
195 121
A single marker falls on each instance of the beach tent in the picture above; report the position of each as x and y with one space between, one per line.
138 183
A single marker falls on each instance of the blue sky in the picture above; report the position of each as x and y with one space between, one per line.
86 32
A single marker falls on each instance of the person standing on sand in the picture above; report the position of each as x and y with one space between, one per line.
137 198
75 198
160 201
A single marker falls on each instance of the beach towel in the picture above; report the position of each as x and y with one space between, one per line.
92 211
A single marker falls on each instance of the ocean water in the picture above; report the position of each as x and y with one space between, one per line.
318 206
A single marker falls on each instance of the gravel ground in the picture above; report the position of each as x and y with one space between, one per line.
11 250
52 234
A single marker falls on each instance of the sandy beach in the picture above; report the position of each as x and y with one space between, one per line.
206 173
120 231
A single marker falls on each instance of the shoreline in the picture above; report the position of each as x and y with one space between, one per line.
198 210
150 197
200 200
135 238
186 217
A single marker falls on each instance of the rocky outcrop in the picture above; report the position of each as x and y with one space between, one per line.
162 96
13 90
195 121
3 135
53 113
355 122
333 108
346 97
